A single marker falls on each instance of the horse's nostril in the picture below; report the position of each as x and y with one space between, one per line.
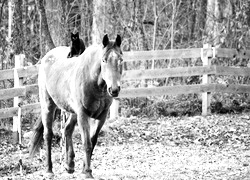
110 90
114 92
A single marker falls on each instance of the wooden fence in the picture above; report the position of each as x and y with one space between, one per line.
205 88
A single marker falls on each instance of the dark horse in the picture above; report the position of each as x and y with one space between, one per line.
84 87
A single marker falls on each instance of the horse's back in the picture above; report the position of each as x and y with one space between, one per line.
57 53
48 61
54 59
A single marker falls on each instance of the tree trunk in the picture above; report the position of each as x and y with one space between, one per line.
155 27
65 34
173 26
142 12
87 21
154 32
25 29
18 27
191 19
212 22
98 25
46 42
1 11
201 17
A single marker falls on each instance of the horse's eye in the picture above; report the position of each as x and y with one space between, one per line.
121 61
104 60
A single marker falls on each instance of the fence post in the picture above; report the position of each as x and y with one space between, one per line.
114 109
206 79
19 62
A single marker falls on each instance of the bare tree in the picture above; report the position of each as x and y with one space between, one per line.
63 17
45 37
1 10
86 20
211 28
18 27
98 25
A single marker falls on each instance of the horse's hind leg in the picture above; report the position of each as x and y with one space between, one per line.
47 112
68 131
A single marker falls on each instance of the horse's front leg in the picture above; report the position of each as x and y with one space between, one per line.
70 154
95 127
84 127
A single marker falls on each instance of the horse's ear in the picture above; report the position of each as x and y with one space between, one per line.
118 40
105 40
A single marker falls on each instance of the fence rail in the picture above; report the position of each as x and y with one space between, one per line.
205 87
18 91
13 111
139 75
184 89
165 54
22 72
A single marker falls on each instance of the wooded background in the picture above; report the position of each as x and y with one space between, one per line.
32 27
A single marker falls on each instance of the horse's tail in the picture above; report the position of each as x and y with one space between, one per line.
37 138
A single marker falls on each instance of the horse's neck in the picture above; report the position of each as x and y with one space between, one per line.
100 82
96 72
89 63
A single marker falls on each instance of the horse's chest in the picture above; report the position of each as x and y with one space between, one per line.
95 108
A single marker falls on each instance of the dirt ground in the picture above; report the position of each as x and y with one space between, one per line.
213 147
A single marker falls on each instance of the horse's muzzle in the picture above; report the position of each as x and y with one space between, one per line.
114 92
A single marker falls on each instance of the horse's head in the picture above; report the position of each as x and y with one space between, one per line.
111 65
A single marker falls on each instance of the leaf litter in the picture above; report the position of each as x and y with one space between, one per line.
212 147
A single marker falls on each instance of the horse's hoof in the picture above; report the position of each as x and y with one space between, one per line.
87 174
85 177
49 174
70 170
